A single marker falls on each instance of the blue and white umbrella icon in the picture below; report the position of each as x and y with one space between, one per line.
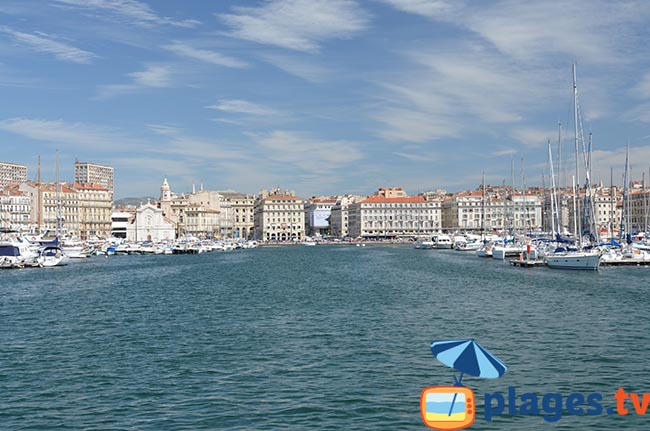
468 357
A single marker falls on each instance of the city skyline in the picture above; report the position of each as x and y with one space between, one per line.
323 98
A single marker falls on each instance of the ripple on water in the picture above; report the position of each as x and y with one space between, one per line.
324 338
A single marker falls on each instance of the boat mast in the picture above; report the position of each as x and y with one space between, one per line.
553 202
645 209
40 199
623 207
58 197
578 225
559 179
483 207
612 199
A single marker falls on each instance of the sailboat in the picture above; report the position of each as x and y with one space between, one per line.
576 259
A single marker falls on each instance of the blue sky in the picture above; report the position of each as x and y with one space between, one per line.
323 97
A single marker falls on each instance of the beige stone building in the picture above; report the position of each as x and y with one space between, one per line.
59 206
279 216
241 213
474 210
75 209
391 213
95 208
210 213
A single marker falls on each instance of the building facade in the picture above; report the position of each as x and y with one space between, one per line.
12 173
149 224
279 216
384 217
15 210
93 173
95 209
120 223
241 213
58 206
476 210
318 212
339 218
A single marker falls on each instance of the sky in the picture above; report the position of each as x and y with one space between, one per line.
322 97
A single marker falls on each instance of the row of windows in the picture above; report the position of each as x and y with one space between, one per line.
292 227
401 217
400 205
283 207
15 208
400 210
283 220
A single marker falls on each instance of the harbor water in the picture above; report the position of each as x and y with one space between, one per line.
318 338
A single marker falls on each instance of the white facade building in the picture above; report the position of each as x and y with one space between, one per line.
15 211
12 173
93 173
149 224
392 217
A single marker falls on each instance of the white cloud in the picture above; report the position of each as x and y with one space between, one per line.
307 153
642 89
299 25
301 68
457 90
67 134
411 125
41 43
132 10
427 8
595 31
153 76
640 113
533 137
204 55
243 107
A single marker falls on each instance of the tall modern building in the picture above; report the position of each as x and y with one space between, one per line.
92 173
11 173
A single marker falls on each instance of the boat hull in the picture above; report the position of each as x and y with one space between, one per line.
577 261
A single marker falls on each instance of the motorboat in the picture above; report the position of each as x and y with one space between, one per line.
52 255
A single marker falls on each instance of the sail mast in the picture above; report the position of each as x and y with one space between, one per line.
624 207
40 199
553 204
578 224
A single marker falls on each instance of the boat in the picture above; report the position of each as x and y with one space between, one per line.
309 243
423 244
16 252
443 242
578 259
52 255
468 246
507 250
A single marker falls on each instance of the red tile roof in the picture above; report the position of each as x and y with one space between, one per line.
382 200
90 187
281 197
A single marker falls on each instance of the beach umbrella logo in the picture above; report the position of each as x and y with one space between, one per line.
453 407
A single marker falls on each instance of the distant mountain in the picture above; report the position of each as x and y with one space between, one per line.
133 202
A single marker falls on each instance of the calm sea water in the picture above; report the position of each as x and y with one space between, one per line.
296 338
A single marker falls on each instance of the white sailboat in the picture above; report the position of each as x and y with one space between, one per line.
578 259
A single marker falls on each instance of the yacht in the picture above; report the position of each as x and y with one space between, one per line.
52 255
443 242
